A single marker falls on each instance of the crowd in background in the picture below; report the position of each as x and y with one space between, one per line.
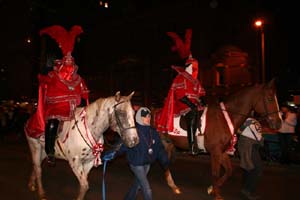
13 115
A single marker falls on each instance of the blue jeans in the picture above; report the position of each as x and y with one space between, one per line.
141 182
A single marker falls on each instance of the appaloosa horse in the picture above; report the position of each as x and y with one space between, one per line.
222 120
80 140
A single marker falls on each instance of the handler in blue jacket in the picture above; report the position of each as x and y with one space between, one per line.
143 155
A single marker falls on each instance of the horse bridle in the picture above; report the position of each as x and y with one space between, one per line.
266 113
263 116
119 123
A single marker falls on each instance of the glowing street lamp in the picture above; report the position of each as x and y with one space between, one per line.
259 23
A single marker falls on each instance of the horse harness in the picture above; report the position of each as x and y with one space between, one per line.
119 123
264 115
96 146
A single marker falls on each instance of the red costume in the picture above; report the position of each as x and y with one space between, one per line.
61 96
60 91
183 85
185 93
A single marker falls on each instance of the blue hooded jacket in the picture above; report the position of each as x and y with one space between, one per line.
139 155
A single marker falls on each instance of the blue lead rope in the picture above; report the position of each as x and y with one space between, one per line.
107 157
103 180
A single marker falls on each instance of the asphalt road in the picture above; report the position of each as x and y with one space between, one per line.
191 174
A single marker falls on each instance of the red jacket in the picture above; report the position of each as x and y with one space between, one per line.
183 85
61 97
57 99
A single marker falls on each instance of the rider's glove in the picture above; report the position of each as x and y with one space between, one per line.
190 104
202 101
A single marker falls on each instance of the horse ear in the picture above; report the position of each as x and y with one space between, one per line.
118 96
130 96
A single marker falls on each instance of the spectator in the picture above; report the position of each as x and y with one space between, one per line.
286 132
249 143
143 155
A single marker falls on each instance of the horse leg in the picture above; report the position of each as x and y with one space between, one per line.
32 181
170 149
217 162
216 168
171 182
226 164
37 155
81 172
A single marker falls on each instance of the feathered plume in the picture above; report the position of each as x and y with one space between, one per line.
182 47
64 38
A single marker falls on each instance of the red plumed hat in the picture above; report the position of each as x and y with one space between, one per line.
182 47
64 39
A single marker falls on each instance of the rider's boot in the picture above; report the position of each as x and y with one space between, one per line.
191 130
50 136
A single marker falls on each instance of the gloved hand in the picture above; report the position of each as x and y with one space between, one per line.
108 155
190 104
202 101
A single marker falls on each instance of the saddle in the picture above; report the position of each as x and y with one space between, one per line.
183 120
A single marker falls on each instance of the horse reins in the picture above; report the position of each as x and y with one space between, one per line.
122 129
266 113
119 124
95 145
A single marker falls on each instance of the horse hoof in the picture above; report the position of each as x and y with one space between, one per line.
32 188
210 190
177 191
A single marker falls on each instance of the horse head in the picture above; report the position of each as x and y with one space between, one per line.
122 120
267 105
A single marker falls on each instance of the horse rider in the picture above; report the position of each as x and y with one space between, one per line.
186 92
61 90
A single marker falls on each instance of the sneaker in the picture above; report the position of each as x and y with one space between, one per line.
51 161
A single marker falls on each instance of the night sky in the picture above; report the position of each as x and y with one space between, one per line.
136 29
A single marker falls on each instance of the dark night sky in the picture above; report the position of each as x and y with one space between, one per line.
137 27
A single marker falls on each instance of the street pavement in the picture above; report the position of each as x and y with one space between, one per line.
191 174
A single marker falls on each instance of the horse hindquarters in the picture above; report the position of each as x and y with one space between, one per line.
37 155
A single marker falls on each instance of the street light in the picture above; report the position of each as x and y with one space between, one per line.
259 23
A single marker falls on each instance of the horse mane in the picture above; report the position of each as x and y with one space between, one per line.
100 101
246 90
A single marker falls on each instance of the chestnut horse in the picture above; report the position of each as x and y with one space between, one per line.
80 141
217 135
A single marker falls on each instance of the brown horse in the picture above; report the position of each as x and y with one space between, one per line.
217 134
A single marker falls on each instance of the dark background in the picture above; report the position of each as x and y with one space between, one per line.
130 36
